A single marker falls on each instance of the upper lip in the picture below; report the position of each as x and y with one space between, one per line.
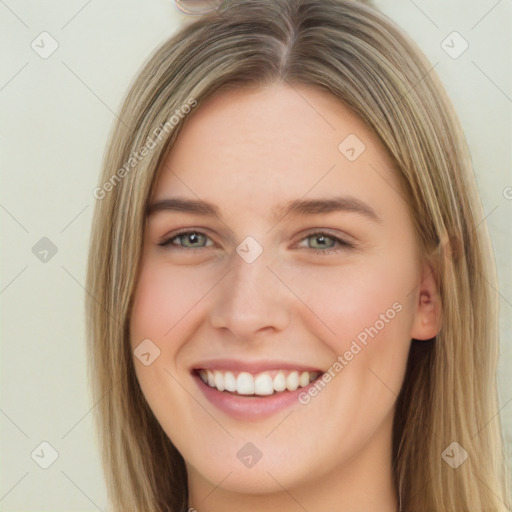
253 367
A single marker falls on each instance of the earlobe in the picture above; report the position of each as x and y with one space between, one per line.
427 318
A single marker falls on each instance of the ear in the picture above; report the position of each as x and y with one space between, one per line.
427 317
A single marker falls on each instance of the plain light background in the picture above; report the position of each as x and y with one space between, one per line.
56 114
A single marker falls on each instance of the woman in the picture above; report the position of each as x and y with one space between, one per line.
289 299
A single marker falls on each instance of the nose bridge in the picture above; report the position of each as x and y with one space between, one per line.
250 298
248 279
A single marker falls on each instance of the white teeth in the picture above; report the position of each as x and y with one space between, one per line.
292 381
229 382
280 382
219 381
304 379
262 384
245 384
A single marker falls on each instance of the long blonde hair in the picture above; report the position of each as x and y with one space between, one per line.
348 48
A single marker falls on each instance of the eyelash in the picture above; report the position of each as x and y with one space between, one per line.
342 244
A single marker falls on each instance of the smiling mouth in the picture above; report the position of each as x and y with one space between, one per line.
261 384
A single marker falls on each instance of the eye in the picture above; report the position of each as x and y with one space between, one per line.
319 242
324 243
187 240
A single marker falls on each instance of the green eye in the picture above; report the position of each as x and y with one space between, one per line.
324 244
321 241
192 239
188 240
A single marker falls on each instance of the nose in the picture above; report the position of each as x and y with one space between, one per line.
250 301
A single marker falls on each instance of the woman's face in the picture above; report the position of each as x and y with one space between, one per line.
279 250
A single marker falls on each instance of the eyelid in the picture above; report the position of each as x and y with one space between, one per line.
341 243
166 239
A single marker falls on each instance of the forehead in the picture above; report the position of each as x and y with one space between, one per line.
254 147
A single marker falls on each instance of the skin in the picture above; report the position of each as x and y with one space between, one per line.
249 151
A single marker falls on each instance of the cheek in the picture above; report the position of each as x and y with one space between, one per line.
165 296
369 302
165 310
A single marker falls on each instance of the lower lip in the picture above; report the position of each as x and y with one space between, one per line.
250 407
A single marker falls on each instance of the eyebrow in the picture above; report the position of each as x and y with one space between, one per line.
328 205
299 207
183 205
